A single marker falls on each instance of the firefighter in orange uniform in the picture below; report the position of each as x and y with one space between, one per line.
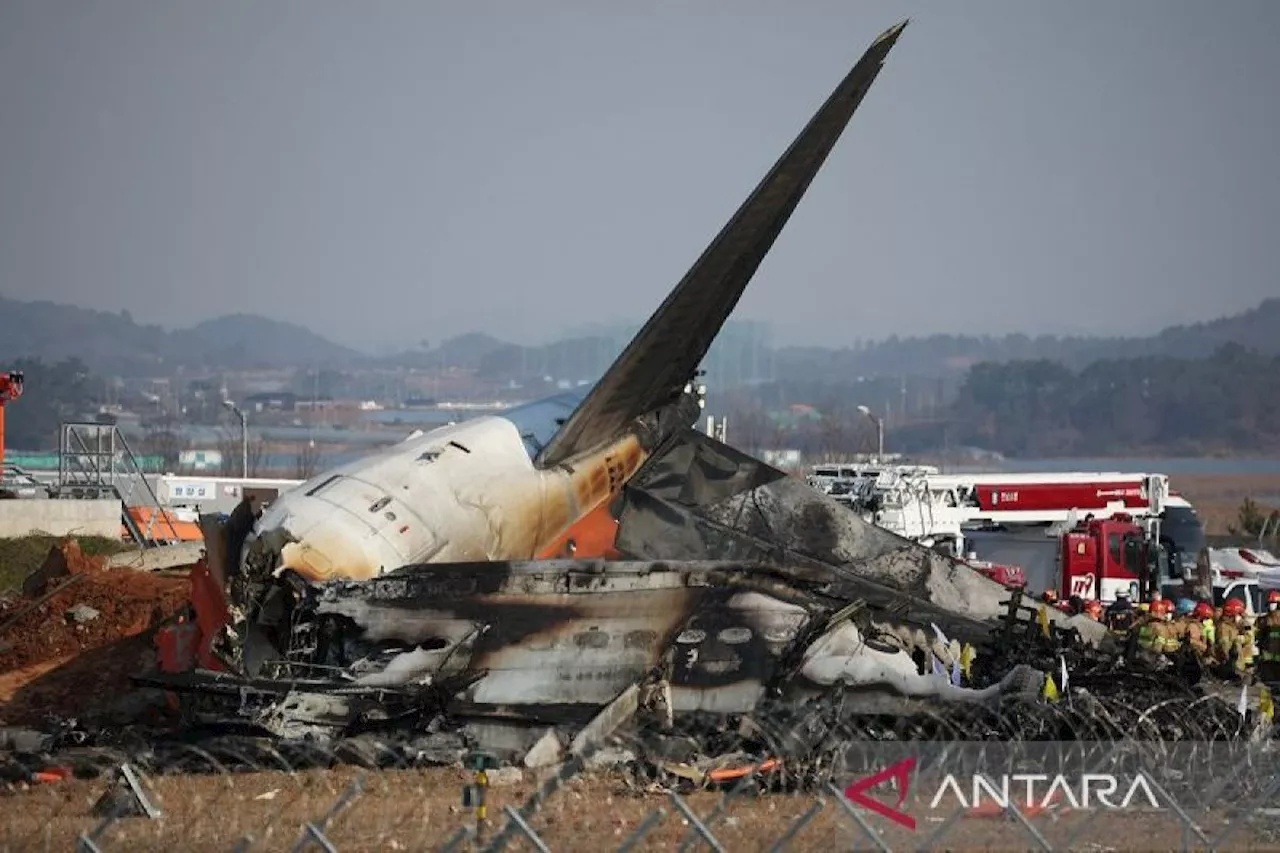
1159 634
1197 635
1233 641
1205 614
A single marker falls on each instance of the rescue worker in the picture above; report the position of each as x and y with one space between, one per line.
1205 613
1120 614
1182 610
1141 617
1233 652
1268 633
239 526
1159 634
1198 639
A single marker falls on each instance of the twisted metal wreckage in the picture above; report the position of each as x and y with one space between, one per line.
583 563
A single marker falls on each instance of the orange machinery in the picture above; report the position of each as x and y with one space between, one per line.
10 389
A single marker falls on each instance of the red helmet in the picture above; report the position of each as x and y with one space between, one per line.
1093 607
1204 610
1273 597
1050 596
1161 606
1233 607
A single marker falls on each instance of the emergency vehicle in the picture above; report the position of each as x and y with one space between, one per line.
1102 531
920 504
1105 556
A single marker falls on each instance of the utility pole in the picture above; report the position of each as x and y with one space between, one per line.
244 438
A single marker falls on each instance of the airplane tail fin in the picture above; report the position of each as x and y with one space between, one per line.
663 357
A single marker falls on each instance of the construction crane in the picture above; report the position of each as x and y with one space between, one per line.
10 389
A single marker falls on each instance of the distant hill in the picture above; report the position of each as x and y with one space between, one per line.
113 343
248 340
940 355
738 359
1257 329
466 351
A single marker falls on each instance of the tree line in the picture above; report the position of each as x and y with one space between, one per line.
1226 403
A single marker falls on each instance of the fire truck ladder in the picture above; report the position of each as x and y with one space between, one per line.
95 461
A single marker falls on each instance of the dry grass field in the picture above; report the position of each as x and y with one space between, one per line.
420 810
1218 497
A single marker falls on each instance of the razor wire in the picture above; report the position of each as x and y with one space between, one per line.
772 780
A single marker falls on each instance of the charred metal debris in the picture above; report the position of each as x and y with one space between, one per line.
757 711
675 670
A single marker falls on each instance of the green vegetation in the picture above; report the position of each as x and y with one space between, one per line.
1227 403
54 392
1252 519
21 556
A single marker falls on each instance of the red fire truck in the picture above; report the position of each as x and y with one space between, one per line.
1104 556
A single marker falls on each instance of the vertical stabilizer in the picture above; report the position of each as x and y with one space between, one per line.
654 368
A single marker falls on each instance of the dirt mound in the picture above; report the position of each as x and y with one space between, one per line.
77 604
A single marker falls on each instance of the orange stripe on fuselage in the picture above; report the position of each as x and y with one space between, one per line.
593 537
596 479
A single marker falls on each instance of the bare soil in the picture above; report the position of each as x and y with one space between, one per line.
52 664
421 809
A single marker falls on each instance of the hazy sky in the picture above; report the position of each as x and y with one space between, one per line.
385 172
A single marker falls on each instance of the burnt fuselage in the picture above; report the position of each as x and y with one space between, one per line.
552 632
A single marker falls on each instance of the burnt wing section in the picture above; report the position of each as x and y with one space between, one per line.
657 364
697 470
701 499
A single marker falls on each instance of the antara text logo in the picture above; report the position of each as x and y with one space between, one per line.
1042 791
1034 791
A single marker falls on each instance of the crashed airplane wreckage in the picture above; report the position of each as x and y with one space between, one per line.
530 568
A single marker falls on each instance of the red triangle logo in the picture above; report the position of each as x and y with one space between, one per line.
901 772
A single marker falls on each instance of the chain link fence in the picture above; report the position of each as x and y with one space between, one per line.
802 777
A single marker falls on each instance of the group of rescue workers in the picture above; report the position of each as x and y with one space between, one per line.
1222 639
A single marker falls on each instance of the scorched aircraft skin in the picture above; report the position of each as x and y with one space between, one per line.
430 576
